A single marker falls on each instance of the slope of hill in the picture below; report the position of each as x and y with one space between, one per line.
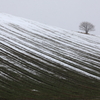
39 62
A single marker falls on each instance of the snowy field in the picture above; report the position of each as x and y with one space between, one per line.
43 51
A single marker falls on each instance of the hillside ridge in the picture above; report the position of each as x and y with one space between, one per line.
43 62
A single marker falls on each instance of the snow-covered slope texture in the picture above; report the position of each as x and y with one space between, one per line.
42 62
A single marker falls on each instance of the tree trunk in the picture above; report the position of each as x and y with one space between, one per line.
86 32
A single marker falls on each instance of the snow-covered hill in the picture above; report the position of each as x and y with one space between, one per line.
46 55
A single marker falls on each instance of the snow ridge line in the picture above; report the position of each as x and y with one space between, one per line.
46 45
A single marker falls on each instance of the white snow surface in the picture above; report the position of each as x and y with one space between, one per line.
71 50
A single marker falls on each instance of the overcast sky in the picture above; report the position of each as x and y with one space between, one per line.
67 14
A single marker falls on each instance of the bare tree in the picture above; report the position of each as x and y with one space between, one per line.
86 26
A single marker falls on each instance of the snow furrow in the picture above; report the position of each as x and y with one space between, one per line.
51 46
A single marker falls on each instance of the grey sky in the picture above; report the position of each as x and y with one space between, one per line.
67 14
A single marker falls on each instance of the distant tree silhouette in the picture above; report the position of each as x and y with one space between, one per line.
86 26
